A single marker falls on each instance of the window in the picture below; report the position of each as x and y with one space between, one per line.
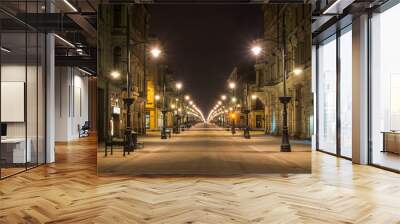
346 93
326 76
385 89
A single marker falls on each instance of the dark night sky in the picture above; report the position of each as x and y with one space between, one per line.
203 43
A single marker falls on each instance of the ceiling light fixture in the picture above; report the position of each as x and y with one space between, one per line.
64 40
70 5
5 50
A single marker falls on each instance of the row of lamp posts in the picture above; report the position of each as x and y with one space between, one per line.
284 99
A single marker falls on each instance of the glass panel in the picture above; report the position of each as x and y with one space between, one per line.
327 96
31 96
385 84
14 153
41 99
346 94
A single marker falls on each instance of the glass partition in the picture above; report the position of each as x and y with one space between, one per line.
346 93
22 87
385 89
327 95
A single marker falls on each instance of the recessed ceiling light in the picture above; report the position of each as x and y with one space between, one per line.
5 50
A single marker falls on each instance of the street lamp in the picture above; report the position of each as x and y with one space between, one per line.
223 97
233 129
232 85
165 107
115 74
155 52
297 71
234 99
178 86
256 50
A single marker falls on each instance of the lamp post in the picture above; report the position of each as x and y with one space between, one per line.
285 99
129 137
184 112
128 100
233 116
232 86
178 86
246 133
164 109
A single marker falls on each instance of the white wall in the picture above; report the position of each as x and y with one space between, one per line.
71 102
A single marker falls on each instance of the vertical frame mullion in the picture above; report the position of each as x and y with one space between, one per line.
1 44
369 79
37 90
338 94
26 85
317 97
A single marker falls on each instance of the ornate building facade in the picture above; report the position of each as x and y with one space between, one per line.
120 27
287 28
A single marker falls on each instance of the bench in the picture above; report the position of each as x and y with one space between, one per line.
120 142
110 142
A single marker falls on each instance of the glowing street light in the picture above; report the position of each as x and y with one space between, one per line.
191 102
157 97
155 52
234 99
187 97
232 85
256 50
178 85
223 97
219 103
297 71
115 74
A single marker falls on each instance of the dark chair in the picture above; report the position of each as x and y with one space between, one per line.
84 130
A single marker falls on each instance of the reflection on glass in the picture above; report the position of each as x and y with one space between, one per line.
327 96
386 89
15 150
346 94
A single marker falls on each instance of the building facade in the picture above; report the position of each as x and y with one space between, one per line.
121 26
288 31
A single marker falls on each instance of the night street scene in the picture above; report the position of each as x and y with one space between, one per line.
204 90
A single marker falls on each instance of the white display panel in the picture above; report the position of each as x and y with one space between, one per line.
12 101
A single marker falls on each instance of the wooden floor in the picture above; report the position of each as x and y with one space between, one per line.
71 192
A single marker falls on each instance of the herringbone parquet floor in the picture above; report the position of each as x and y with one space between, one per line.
71 192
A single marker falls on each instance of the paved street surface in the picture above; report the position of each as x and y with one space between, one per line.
208 150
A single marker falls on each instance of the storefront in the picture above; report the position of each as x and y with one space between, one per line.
385 88
356 84
334 91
